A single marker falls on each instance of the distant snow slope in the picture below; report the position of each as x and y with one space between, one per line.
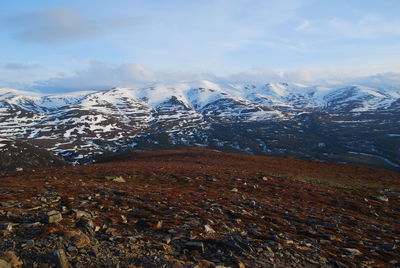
80 124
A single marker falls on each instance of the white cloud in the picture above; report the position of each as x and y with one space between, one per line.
99 76
20 66
61 25
389 79
306 26
103 76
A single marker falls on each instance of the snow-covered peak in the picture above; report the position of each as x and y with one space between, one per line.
10 92
279 89
198 94
62 100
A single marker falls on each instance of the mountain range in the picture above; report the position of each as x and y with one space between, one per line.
348 124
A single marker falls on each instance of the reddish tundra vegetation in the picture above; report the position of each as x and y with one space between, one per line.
200 208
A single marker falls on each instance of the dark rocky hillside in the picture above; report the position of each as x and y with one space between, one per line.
21 155
200 208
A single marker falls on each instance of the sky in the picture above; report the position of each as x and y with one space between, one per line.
65 45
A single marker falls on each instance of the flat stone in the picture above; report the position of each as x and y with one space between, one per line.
80 240
159 225
29 243
54 216
167 239
6 227
195 245
382 198
352 251
4 264
328 237
7 204
13 259
84 214
119 179
209 229
61 259
389 246
124 219
72 249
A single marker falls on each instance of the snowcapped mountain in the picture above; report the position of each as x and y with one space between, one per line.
231 116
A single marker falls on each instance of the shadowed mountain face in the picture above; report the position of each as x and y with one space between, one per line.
191 207
22 155
351 124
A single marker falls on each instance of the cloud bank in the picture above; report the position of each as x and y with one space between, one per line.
17 66
61 25
99 76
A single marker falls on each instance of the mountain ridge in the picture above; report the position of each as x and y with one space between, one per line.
263 119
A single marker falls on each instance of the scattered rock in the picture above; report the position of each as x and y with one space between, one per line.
28 244
12 259
4 264
79 239
6 227
328 237
54 216
309 232
195 245
382 198
124 220
72 249
352 251
84 214
156 223
209 229
159 225
61 259
389 246
119 179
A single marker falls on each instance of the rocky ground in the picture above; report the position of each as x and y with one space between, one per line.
200 208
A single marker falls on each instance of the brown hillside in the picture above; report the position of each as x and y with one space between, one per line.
200 207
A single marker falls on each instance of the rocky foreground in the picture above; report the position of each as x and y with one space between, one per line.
200 208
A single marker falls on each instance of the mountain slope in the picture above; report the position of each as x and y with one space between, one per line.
22 155
348 124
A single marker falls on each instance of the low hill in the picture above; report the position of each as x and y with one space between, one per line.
19 155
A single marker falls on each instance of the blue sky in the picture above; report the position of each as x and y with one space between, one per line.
67 45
